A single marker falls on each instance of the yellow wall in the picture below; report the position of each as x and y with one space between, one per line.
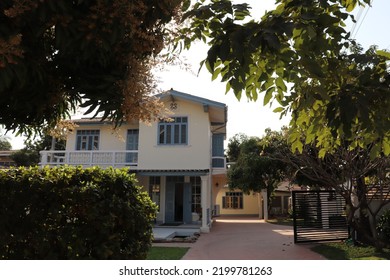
250 201
109 139
195 155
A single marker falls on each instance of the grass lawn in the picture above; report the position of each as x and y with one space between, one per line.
344 251
166 253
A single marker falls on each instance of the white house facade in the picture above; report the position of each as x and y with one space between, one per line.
175 160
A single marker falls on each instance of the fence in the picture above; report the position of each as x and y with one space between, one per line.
318 216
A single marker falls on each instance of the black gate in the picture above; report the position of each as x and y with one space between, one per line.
318 216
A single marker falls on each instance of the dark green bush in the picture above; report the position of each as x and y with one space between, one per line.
73 213
383 226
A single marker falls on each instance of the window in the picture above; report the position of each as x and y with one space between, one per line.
87 140
154 190
132 146
173 132
233 200
196 194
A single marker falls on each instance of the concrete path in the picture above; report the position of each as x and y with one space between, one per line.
248 239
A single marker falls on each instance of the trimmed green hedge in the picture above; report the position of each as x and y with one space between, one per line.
73 213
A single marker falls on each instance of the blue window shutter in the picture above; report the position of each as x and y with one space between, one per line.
218 145
217 150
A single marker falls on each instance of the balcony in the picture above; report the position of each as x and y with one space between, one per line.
218 164
103 159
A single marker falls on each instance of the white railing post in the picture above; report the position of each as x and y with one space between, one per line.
43 158
66 158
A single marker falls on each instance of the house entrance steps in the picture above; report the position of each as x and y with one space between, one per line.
163 233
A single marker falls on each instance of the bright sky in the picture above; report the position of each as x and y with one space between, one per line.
252 118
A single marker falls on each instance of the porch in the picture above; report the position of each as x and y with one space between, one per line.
182 198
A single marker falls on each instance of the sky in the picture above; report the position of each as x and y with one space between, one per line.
252 118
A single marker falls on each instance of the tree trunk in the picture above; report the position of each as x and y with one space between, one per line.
366 225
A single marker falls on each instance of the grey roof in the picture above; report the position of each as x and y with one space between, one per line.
201 100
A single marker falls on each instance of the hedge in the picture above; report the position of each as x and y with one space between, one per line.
73 213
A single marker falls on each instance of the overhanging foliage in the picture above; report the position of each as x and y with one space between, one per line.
56 55
298 55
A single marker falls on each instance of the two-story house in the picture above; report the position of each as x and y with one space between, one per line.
175 160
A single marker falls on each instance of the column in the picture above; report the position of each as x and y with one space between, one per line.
204 202
260 205
265 203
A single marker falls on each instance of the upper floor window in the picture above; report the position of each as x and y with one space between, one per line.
87 140
173 132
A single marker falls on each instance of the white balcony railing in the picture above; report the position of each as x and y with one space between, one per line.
90 158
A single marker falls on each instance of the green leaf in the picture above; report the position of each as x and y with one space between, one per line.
313 67
386 146
216 73
272 40
268 95
322 153
375 151
278 110
208 66
297 146
349 4
383 53
186 4
280 84
228 87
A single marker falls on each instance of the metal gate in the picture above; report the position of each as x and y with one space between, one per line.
318 216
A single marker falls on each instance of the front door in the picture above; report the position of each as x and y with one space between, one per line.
187 203
170 202
178 200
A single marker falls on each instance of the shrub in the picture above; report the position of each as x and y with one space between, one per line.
383 226
73 213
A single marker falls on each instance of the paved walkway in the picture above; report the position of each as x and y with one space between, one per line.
248 239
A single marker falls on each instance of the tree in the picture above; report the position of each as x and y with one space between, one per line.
29 155
301 56
363 181
254 171
5 145
56 55
233 150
